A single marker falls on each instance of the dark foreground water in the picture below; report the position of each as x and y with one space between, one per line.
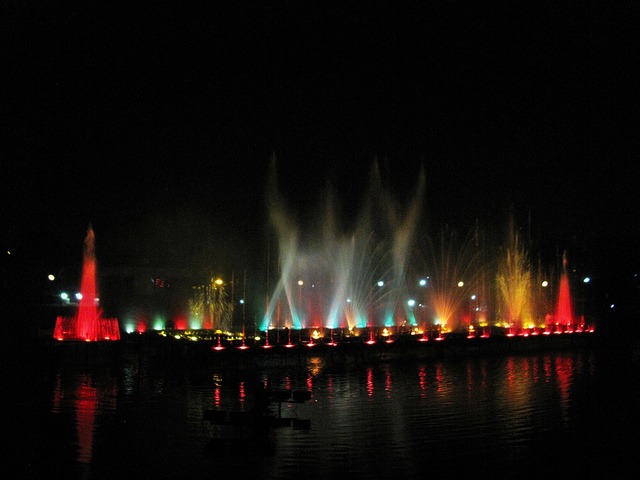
139 414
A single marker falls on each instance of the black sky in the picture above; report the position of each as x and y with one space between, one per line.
152 120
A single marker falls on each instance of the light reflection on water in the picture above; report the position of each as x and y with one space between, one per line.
528 415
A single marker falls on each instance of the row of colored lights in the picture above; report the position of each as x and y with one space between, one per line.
389 340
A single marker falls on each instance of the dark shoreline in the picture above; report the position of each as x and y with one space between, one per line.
146 346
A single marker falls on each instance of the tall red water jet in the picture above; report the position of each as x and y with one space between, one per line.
564 308
88 324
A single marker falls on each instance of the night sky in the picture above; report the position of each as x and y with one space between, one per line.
157 124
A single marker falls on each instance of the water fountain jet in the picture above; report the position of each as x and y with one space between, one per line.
87 325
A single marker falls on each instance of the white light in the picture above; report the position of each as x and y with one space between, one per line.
473 297
461 283
78 296
411 302
586 279
51 277
64 296
423 282
380 283
545 283
241 301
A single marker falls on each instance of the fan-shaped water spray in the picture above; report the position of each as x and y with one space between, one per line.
344 278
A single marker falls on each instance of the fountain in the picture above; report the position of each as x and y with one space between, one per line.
454 267
564 320
365 280
344 279
514 287
87 325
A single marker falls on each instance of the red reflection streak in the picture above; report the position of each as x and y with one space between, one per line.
511 368
564 366
439 378
216 397
287 383
85 406
547 369
310 383
242 393
469 377
536 372
422 380
58 395
369 382
388 384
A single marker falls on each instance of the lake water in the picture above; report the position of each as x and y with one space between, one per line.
139 414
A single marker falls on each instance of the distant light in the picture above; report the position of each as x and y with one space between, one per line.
241 301
545 283
348 300
586 279
300 282
411 302
64 296
219 281
461 283
473 297
78 296
380 283
423 282
51 277
613 305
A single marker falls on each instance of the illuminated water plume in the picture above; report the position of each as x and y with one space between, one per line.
88 324
328 276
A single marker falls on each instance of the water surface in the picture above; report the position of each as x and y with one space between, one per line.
557 414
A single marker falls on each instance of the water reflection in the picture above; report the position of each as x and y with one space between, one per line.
84 395
498 414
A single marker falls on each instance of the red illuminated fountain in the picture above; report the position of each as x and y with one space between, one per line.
564 309
87 325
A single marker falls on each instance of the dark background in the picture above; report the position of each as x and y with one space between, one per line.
156 124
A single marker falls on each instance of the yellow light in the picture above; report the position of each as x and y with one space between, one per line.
219 281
